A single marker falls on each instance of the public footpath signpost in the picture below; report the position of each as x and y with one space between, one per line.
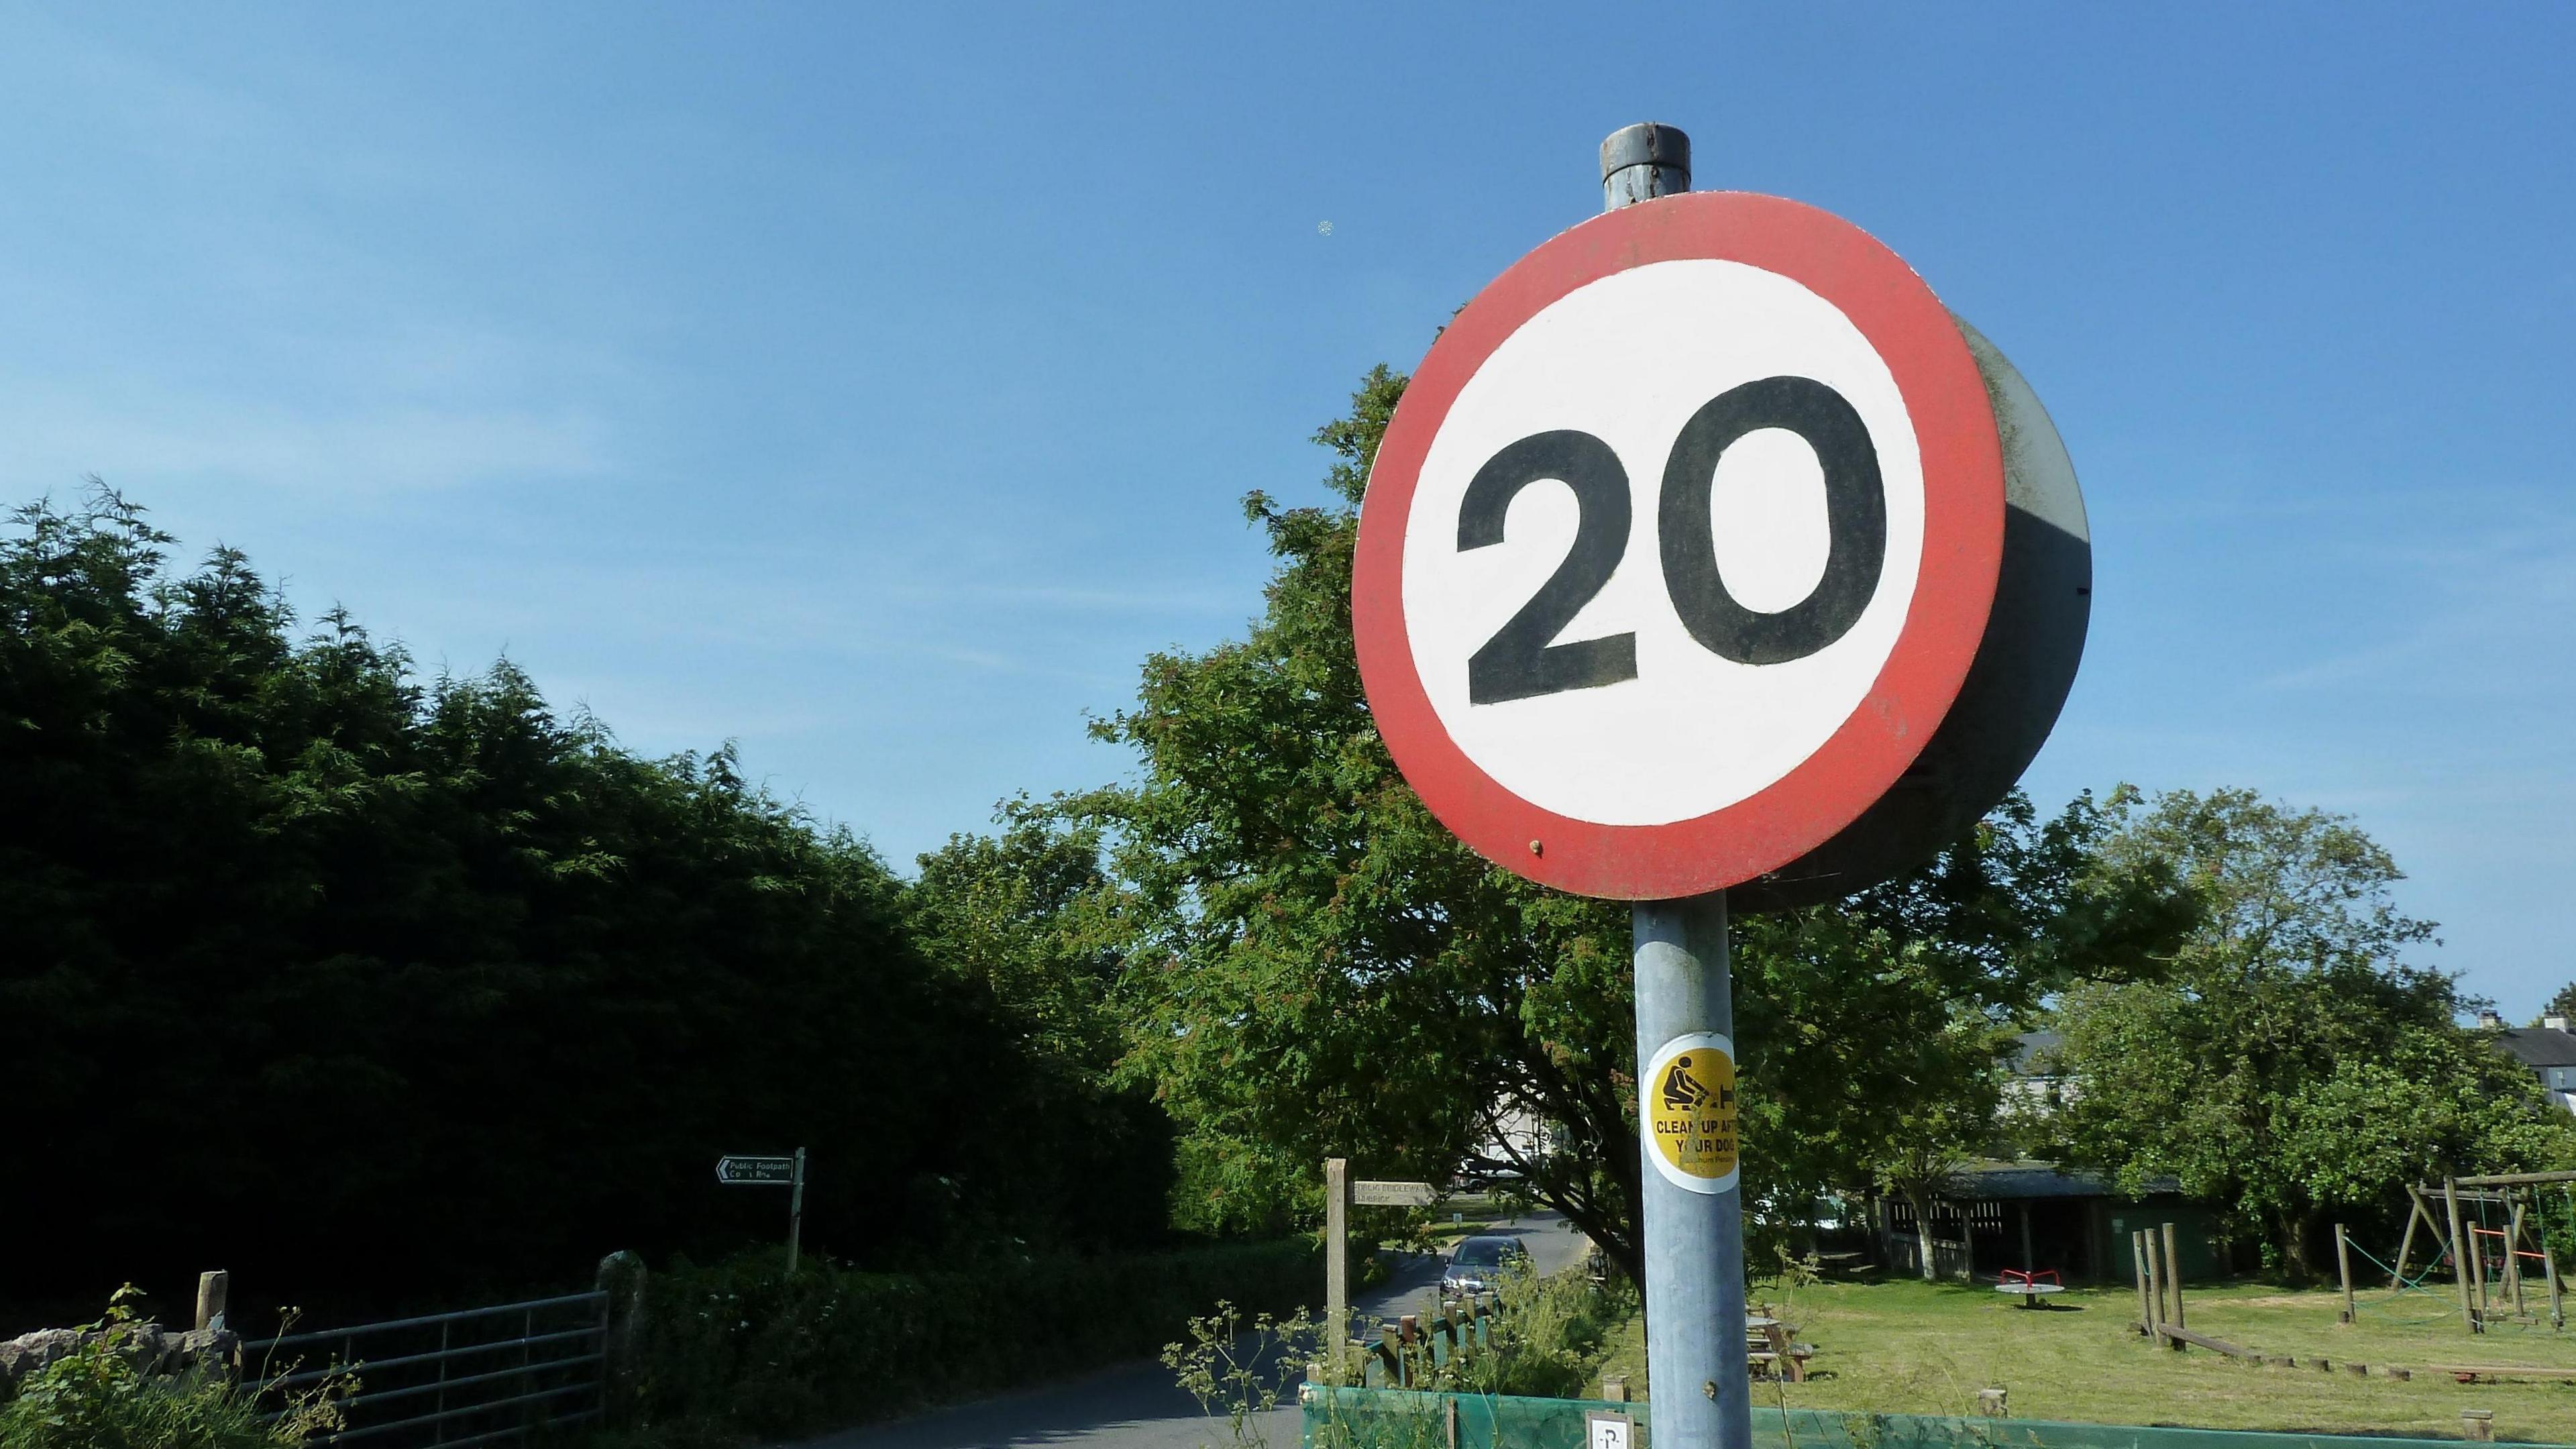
786 1172
1707 556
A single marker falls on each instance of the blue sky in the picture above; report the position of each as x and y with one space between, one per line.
875 387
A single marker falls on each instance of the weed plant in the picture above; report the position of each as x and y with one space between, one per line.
98 1396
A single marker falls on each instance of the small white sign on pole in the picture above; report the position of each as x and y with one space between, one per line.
1603 1430
1394 1194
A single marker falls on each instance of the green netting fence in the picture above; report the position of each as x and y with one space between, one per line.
1404 1419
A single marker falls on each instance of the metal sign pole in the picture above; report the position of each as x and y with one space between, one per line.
1694 1239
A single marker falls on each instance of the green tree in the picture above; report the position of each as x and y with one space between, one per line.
1015 916
1316 967
2562 1004
2291 1058
343 958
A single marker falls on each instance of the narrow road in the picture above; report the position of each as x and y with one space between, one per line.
1138 1406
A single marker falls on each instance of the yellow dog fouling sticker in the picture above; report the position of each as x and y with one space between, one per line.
1688 1094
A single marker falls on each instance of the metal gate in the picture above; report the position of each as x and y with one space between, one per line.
477 1376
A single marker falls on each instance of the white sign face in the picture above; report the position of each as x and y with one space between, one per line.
781 1170
1678 550
1393 1194
1607 1431
1713 592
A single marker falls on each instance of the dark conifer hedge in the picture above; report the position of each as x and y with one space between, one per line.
374 990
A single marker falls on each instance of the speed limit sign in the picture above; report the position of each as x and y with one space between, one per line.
1688 538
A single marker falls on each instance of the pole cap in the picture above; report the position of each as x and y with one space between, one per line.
1648 143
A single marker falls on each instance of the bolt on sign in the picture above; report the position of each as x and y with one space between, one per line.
1708 551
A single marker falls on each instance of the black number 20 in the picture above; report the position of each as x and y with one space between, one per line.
1519 662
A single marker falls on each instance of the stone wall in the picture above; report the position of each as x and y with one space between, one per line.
152 1348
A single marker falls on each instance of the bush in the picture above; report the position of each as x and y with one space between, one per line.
1551 1334
739 1345
99 1397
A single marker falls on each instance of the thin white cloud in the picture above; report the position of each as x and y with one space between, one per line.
52 441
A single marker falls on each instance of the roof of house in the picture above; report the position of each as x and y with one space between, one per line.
2538 1046
2023 1181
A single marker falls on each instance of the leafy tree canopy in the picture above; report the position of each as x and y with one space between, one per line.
1314 966
2562 1004
2292 1058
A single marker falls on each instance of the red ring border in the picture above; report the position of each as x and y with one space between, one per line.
1963 484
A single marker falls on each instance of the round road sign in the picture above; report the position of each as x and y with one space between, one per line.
1680 548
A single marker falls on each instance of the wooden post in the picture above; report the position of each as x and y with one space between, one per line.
796 1213
1967 1246
2459 1251
2146 1304
2549 1266
2343 1269
1337 1265
2406 1245
213 1291
2173 1270
2478 1274
2157 1271
2512 1260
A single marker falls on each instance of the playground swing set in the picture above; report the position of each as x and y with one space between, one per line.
2504 1220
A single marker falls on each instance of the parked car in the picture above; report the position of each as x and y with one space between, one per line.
1477 1265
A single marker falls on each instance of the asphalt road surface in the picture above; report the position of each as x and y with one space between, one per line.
1138 1406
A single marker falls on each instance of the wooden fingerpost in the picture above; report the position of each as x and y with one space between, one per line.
2173 1271
2146 1304
2343 1269
796 1212
2460 1251
1337 1267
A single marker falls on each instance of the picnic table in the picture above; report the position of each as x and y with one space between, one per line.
1768 1345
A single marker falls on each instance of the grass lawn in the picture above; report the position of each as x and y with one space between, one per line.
1925 1348
1474 1214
